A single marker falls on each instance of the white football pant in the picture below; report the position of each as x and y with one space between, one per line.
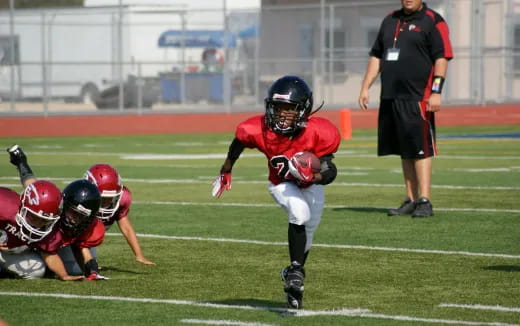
22 262
304 206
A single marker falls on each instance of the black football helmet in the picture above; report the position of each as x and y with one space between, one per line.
81 201
291 90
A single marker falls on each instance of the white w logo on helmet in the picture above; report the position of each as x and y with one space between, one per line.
32 195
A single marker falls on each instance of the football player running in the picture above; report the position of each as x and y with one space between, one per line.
78 226
285 129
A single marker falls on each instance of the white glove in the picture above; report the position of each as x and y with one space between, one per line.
221 183
96 276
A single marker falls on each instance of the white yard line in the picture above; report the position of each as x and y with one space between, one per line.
358 184
10 185
156 156
337 246
356 312
483 170
335 184
480 307
352 173
221 322
435 320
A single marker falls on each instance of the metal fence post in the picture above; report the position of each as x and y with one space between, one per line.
12 54
226 78
44 66
120 59
139 83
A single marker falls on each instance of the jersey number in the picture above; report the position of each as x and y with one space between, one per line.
281 164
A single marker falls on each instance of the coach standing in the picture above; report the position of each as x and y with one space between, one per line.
411 51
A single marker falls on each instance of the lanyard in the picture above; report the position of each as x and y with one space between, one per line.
398 29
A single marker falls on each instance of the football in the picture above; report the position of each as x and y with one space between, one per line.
302 158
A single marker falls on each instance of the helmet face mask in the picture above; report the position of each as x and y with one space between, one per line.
287 95
108 181
75 218
109 205
40 209
284 116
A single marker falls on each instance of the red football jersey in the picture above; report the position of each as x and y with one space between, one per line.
10 233
320 137
124 207
92 237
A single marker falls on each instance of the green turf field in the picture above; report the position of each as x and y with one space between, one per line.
218 261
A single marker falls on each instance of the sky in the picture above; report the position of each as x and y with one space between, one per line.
231 4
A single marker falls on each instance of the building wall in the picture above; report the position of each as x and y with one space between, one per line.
480 31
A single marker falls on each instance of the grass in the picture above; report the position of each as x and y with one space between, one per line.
398 270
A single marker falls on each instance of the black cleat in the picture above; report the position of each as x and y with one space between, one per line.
293 277
406 208
16 155
423 208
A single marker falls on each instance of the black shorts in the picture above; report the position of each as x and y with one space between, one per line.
406 129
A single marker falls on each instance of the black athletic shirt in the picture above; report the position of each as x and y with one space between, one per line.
422 38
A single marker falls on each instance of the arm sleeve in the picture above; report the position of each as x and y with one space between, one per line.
378 47
235 149
440 41
328 170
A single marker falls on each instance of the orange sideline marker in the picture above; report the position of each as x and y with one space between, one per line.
345 124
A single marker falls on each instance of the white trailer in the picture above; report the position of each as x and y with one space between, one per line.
74 53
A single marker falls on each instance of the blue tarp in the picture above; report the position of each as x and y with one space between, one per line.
251 31
196 39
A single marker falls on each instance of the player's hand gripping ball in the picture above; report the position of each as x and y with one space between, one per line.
303 165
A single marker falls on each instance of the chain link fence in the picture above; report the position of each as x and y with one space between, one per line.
150 59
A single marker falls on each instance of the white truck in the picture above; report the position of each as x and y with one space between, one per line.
74 53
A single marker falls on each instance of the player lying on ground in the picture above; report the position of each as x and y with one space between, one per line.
116 200
78 225
29 234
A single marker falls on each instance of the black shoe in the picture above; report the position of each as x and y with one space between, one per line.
406 208
16 155
423 208
293 277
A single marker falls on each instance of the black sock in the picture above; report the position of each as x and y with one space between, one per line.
25 171
305 255
297 242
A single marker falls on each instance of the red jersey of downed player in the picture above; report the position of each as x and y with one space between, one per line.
92 237
319 136
11 233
